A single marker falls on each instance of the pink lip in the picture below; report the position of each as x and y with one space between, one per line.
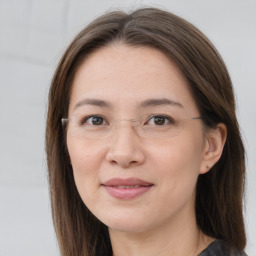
112 186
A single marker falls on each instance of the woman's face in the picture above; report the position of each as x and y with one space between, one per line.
133 183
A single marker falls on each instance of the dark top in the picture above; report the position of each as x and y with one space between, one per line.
219 248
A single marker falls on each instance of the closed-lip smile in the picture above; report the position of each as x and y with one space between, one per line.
126 188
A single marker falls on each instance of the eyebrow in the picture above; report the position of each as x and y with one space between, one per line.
159 102
144 104
93 102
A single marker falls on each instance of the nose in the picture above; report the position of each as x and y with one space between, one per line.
126 148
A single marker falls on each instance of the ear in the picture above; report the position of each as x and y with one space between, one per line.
214 144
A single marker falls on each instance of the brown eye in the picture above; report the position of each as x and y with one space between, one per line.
93 120
159 120
96 120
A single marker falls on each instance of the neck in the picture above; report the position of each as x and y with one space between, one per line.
179 238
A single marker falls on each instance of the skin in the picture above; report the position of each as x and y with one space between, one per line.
159 221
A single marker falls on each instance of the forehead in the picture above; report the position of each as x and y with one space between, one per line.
126 75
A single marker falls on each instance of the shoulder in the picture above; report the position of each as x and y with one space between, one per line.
219 248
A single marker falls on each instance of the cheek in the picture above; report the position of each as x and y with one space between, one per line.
179 154
85 161
82 155
178 163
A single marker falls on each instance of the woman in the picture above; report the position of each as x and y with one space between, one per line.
144 151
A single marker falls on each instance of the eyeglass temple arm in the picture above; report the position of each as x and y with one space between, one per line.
64 121
197 117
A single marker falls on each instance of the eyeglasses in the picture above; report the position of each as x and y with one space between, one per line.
152 125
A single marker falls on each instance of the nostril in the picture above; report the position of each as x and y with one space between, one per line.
113 162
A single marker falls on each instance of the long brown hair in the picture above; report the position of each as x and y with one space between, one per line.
219 197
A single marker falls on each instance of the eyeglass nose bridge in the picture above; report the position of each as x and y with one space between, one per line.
126 123
118 123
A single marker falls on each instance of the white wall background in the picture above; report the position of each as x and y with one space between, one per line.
33 35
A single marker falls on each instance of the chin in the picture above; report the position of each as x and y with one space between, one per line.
128 227
127 223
